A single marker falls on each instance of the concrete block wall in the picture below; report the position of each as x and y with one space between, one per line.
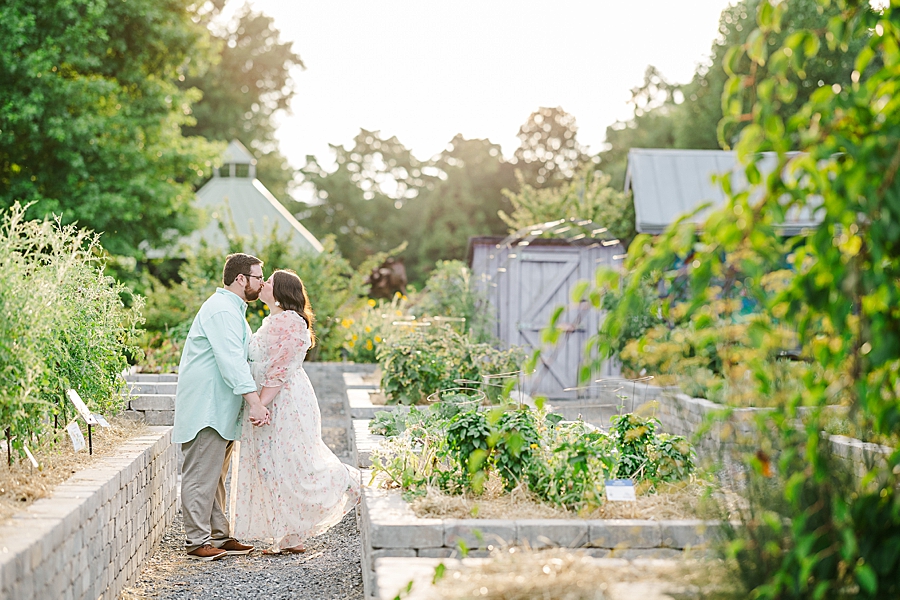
89 539
389 528
151 397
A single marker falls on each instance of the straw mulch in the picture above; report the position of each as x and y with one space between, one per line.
685 500
561 574
21 484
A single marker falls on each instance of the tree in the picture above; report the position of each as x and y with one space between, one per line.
810 529
246 84
549 153
361 200
687 116
464 201
90 117
587 196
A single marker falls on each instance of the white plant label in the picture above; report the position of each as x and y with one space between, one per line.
77 437
100 420
34 463
81 407
620 490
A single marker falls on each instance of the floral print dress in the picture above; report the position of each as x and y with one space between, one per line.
291 486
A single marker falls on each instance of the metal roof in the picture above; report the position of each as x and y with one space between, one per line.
253 209
237 153
668 184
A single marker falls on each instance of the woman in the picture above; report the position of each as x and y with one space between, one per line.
290 485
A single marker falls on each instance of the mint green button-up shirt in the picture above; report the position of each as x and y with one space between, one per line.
214 372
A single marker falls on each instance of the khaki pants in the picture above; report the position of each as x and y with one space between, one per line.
206 459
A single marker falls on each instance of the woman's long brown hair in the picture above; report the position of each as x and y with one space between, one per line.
289 291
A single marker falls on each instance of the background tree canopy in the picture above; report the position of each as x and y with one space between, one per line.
247 81
380 195
668 115
90 116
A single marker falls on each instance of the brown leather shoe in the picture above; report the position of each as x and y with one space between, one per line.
207 552
233 547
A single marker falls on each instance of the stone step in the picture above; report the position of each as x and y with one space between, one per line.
140 388
151 377
152 402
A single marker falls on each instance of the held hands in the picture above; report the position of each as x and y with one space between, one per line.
259 414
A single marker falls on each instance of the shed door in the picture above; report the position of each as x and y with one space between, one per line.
545 281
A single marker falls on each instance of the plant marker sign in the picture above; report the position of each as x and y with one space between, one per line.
75 434
620 490
30 456
81 407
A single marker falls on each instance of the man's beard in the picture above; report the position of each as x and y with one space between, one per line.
249 293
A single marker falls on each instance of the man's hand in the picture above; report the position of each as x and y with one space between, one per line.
259 414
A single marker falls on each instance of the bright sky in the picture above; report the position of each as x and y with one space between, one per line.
425 70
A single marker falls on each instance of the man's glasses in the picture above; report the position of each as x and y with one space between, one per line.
260 277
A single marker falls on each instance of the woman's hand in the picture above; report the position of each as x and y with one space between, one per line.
268 394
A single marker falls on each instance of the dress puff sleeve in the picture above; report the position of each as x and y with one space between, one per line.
285 347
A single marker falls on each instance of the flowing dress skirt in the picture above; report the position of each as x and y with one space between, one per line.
291 486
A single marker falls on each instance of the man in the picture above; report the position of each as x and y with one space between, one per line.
214 381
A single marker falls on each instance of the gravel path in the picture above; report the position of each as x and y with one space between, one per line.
328 570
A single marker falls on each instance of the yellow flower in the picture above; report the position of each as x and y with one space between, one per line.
346 323
399 313
369 345
534 446
350 344
371 303
354 337
368 329
377 339
262 314
397 294
265 307
403 297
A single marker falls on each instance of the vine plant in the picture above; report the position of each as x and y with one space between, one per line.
835 161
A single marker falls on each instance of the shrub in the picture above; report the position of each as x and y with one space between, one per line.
62 325
423 358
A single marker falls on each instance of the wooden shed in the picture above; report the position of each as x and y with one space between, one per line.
524 280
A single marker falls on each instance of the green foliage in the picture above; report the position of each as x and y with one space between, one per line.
424 357
465 202
588 195
62 325
419 361
366 329
331 283
450 292
245 83
565 464
571 466
818 533
90 116
549 153
668 115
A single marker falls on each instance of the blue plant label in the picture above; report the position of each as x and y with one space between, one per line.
620 490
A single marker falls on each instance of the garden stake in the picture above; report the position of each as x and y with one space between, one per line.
8 448
90 442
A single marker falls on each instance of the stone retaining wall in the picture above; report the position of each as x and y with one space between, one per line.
89 539
389 528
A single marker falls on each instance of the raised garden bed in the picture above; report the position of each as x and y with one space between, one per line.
390 528
88 539
534 574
